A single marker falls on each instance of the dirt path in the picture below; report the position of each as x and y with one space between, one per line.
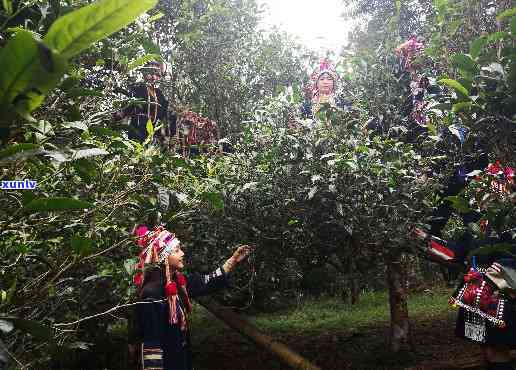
436 348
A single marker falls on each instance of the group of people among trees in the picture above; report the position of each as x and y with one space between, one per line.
485 297
190 134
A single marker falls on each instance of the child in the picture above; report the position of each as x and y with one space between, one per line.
160 323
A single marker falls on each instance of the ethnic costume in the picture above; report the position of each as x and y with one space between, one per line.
152 105
160 321
197 134
486 298
316 98
487 311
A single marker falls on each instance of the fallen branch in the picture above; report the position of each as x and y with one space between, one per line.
285 354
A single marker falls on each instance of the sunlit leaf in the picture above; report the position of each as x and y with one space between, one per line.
312 192
29 71
144 59
76 31
156 16
455 85
506 13
91 152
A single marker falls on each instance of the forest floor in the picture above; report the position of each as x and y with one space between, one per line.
335 335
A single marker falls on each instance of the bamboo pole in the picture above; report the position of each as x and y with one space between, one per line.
241 325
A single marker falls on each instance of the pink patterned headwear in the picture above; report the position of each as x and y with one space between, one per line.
156 246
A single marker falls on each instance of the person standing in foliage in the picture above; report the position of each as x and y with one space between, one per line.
471 154
322 91
151 105
486 298
160 323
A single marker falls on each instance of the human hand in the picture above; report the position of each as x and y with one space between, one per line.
418 233
238 256
241 253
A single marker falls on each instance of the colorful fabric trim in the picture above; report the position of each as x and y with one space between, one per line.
438 248
152 357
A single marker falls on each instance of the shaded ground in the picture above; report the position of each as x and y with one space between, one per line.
364 348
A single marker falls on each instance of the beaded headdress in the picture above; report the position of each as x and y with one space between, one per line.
157 245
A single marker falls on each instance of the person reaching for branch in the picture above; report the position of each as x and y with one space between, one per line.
160 323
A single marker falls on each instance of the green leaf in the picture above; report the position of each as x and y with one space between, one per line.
513 26
505 14
460 204
477 46
86 153
455 85
156 16
76 31
496 36
29 70
144 59
459 107
466 63
85 169
81 245
17 148
215 200
8 6
149 127
57 204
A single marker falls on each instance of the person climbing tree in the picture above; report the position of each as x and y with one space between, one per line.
160 322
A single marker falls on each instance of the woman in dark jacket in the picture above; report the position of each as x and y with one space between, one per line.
160 321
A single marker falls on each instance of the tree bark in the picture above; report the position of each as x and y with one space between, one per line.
355 291
285 354
400 326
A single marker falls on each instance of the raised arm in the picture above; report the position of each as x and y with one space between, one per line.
200 284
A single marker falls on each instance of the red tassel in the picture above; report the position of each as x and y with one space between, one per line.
186 299
138 279
171 289
181 280
172 309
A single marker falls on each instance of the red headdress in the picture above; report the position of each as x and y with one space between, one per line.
156 246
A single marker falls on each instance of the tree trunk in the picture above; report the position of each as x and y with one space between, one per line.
355 274
400 326
354 290
285 354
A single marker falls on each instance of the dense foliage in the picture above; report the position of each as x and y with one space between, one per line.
326 207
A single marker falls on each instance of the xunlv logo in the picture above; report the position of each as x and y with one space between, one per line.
19 184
